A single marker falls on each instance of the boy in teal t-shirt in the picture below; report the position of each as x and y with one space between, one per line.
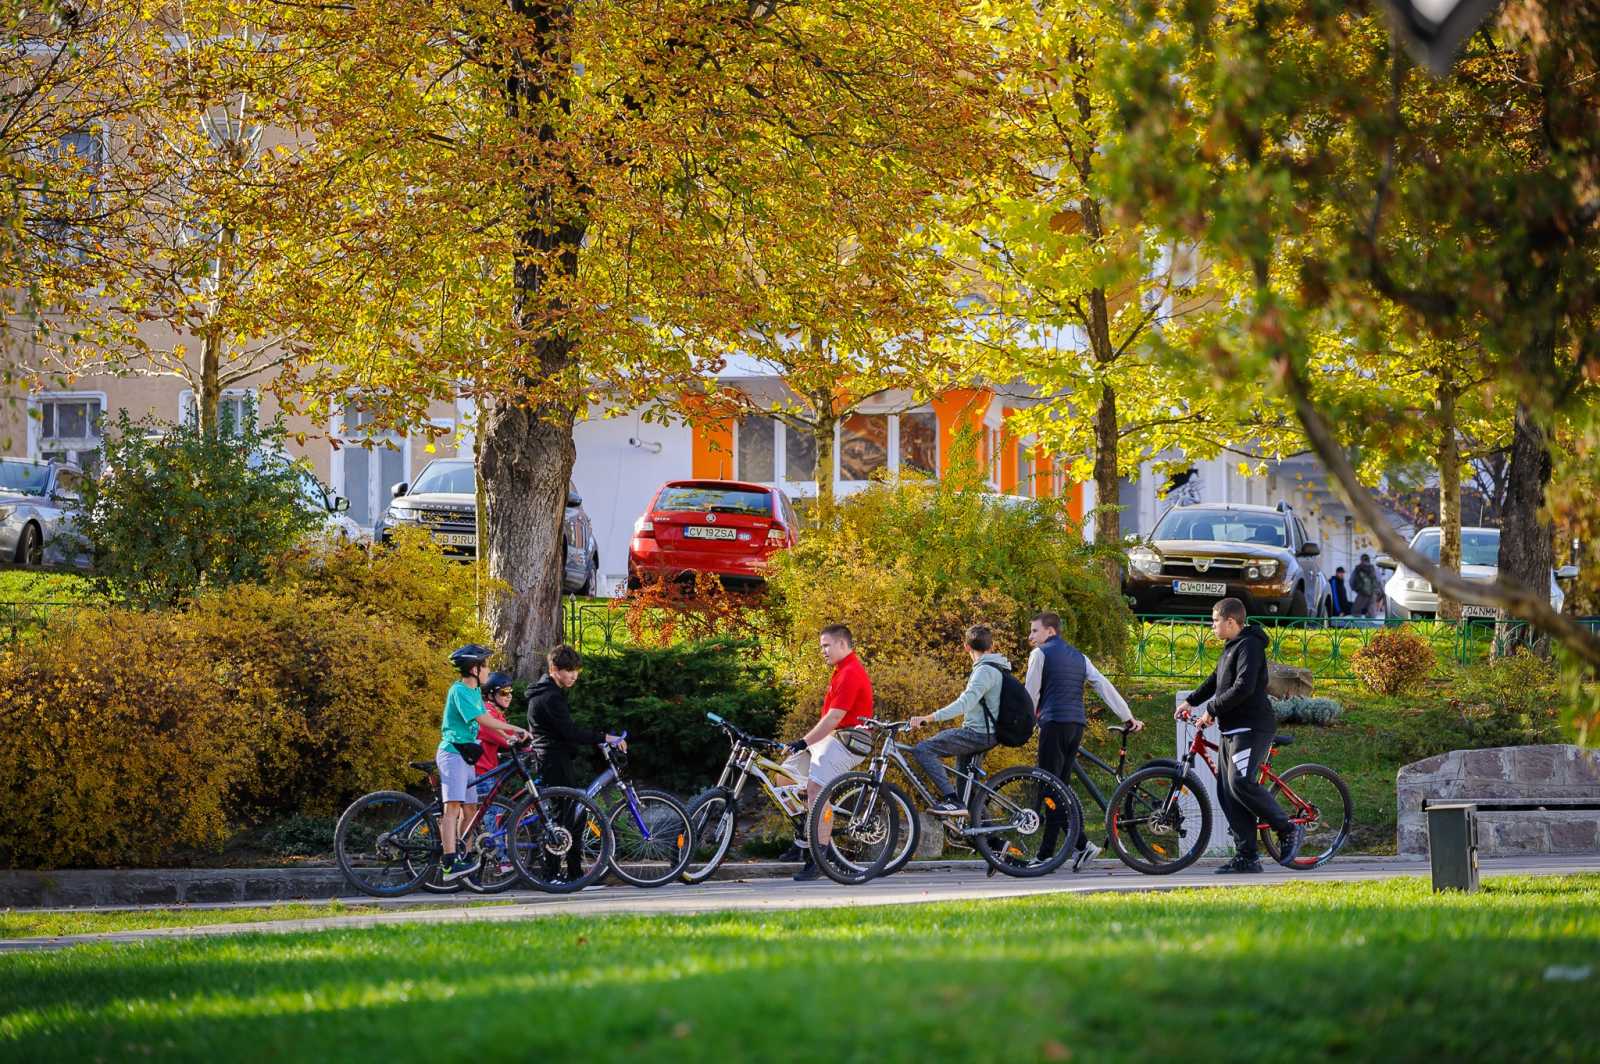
459 751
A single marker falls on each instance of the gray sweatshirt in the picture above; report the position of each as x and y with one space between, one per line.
981 699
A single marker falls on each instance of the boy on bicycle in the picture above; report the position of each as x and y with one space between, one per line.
1235 697
464 716
978 706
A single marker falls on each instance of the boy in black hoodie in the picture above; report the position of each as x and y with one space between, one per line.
1235 696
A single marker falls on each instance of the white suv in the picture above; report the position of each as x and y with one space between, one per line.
1410 597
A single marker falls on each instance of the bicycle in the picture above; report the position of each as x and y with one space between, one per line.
387 843
1005 813
713 813
1161 809
653 837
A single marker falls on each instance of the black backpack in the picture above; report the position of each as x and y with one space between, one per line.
1014 724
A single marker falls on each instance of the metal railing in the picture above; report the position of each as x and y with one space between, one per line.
591 626
1183 646
19 619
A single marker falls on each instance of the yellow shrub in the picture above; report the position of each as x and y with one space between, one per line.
1393 661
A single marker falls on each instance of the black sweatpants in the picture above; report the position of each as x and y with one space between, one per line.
1058 753
1245 802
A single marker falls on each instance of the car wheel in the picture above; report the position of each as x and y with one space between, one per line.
30 548
591 580
1325 611
1297 605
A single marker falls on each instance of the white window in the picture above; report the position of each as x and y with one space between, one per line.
235 406
68 427
78 158
1024 470
367 461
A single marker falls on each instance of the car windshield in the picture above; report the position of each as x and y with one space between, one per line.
446 478
715 500
1223 526
312 493
1480 547
24 478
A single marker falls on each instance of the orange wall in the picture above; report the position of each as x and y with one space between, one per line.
712 456
955 409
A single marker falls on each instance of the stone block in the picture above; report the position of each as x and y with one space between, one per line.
1485 764
931 845
1575 833
1534 764
1288 681
1511 834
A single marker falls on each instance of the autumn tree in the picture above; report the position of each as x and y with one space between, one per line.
1295 143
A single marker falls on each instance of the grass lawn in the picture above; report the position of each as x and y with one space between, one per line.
23 585
25 923
1367 971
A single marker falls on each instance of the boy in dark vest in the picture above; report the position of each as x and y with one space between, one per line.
1057 671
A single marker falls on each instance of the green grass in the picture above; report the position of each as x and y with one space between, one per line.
21 585
24 923
1364 971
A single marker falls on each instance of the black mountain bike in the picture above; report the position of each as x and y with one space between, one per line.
388 843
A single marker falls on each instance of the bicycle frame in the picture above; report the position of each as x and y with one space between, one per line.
1102 800
1201 748
499 774
889 752
612 777
745 761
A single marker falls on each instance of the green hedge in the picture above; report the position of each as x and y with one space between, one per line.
660 696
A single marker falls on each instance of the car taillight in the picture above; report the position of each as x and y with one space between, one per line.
776 535
644 529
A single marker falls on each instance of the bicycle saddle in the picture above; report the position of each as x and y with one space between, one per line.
1282 740
423 766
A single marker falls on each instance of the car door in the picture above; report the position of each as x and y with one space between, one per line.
1316 583
577 556
57 514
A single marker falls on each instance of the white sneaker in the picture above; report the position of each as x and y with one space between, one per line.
1082 857
946 809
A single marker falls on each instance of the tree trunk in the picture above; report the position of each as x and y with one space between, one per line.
208 396
527 451
822 432
1449 491
1527 544
1107 518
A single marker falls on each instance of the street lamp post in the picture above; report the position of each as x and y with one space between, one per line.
1433 30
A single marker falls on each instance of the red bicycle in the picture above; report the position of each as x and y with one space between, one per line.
1159 818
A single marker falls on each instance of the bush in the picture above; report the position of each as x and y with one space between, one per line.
660 696
1510 701
908 567
1394 661
180 511
1304 710
301 836
131 733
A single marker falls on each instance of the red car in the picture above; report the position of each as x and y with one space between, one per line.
724 527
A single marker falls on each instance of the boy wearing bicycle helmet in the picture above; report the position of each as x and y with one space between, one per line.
458 751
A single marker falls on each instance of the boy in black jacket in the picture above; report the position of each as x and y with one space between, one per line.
1235 696
556 737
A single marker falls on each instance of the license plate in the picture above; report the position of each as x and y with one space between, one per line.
456 539
707 532
1198 587
1480 611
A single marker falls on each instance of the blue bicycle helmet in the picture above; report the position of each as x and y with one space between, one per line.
497 681
470 655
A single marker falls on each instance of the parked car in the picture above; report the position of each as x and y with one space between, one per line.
444 500
1202 553
1410 597
320 499
725 527
36 504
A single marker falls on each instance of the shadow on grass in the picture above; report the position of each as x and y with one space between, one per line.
1253 974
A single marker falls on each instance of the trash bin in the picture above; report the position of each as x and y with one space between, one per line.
1453 846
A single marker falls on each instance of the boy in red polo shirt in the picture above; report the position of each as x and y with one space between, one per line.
819 757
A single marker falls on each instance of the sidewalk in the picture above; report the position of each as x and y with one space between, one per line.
932 882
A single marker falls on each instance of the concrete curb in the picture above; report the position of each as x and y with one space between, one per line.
114 888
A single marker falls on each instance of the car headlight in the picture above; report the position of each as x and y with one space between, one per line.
1145 561
402 513
6 512
1265 570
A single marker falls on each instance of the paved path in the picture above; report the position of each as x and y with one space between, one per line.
771 894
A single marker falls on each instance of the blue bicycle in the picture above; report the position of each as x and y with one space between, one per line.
557 838
653 839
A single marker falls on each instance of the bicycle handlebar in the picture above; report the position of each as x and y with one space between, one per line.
741 736
886 725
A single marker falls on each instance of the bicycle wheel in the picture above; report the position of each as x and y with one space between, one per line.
910 828
425 836
497 871
862 827
1159 820
1009 814
559 840
653 840
1315 796
377 849
712 818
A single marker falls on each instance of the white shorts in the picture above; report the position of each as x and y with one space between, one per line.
822 763
455 776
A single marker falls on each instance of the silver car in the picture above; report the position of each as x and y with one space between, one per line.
36 504
1410 597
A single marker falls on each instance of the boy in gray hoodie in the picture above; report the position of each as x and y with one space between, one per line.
978 707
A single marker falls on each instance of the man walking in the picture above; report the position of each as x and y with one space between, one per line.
1057 671
1341 594
1364 583
819 756
1235 696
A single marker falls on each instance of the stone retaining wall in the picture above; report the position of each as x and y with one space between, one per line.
1506 772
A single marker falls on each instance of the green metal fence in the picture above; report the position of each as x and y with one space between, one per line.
1183 646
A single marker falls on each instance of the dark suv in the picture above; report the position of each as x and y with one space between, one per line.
1200 554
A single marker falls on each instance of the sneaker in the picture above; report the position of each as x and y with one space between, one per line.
1241 864
946 808
1289 843
1082 857
461 866
808 872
